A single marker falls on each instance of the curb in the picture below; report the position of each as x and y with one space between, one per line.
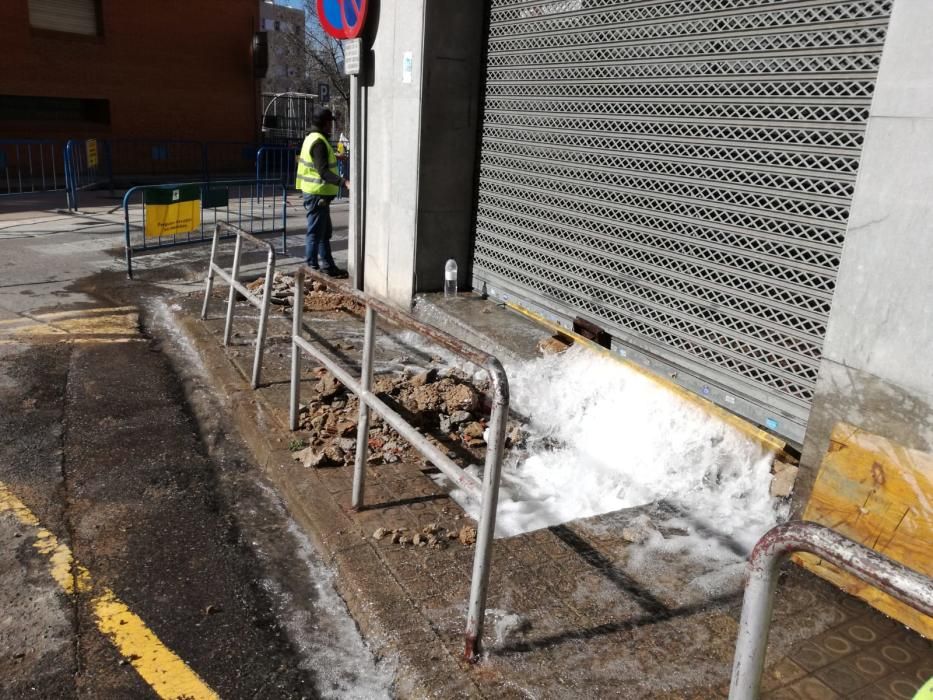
378 603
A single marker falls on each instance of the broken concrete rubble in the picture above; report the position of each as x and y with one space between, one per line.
554 345
317 295
433 536
785 475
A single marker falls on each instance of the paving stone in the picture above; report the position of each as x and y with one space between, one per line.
784 672
591 627
872 693
899 685
844 677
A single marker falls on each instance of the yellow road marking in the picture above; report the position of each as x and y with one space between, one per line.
70 339
115 322
762 436
161 668
76 313
73 313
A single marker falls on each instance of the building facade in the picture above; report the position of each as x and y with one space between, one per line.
285 35
732 191
288 98
106 69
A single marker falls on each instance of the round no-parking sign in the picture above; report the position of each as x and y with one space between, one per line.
342 19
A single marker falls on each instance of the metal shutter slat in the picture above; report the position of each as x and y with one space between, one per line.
679 173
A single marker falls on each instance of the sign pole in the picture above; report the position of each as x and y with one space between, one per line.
352 60
345 20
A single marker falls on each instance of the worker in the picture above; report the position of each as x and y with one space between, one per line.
319 182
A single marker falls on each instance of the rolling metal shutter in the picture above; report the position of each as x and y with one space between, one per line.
680 173
72 16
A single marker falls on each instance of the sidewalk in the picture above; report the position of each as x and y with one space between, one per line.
570 613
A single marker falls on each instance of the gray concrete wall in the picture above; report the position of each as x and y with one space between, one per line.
393 151
877 369
449 139
421 144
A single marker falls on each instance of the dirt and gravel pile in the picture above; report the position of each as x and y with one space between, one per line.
318 296
433 535
450 410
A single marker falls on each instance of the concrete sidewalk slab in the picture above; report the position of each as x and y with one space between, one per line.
571 613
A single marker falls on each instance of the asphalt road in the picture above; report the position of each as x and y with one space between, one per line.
143 554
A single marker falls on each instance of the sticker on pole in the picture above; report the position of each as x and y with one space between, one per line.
172 210
342 19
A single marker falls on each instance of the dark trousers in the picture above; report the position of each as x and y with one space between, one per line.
320 229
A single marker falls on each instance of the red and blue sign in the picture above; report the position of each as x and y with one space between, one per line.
342 19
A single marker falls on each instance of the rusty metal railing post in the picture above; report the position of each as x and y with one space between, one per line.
231 300
362 428
210 274
485 493
298 308
263 315
476 612
772 549
236 286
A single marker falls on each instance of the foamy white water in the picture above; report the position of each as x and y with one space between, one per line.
604 438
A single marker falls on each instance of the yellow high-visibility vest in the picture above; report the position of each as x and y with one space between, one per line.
307 179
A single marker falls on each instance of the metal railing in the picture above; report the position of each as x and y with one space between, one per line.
277 163
906 585
87 165
127 162
254 207
136 160
31 165
485 493
236 286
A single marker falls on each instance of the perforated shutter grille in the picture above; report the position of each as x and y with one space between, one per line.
679 172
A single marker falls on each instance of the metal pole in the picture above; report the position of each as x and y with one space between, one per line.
69 180
298 308
263 316
360 179
362 428
32 179
259 154
476 612
284 220
210 274
19 169
126 231
231 302
354 258
772 549
42 165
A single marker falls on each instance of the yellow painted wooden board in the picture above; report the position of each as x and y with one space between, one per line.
879 494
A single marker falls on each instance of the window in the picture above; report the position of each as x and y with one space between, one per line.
70 16
21 108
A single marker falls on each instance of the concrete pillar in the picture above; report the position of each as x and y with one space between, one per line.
421 146
877 368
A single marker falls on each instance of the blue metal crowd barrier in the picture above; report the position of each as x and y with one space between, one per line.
87 165
277 163
31 165
130 162
255 207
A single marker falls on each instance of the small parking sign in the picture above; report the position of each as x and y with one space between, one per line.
323 91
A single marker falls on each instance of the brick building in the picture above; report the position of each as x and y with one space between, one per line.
101 68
